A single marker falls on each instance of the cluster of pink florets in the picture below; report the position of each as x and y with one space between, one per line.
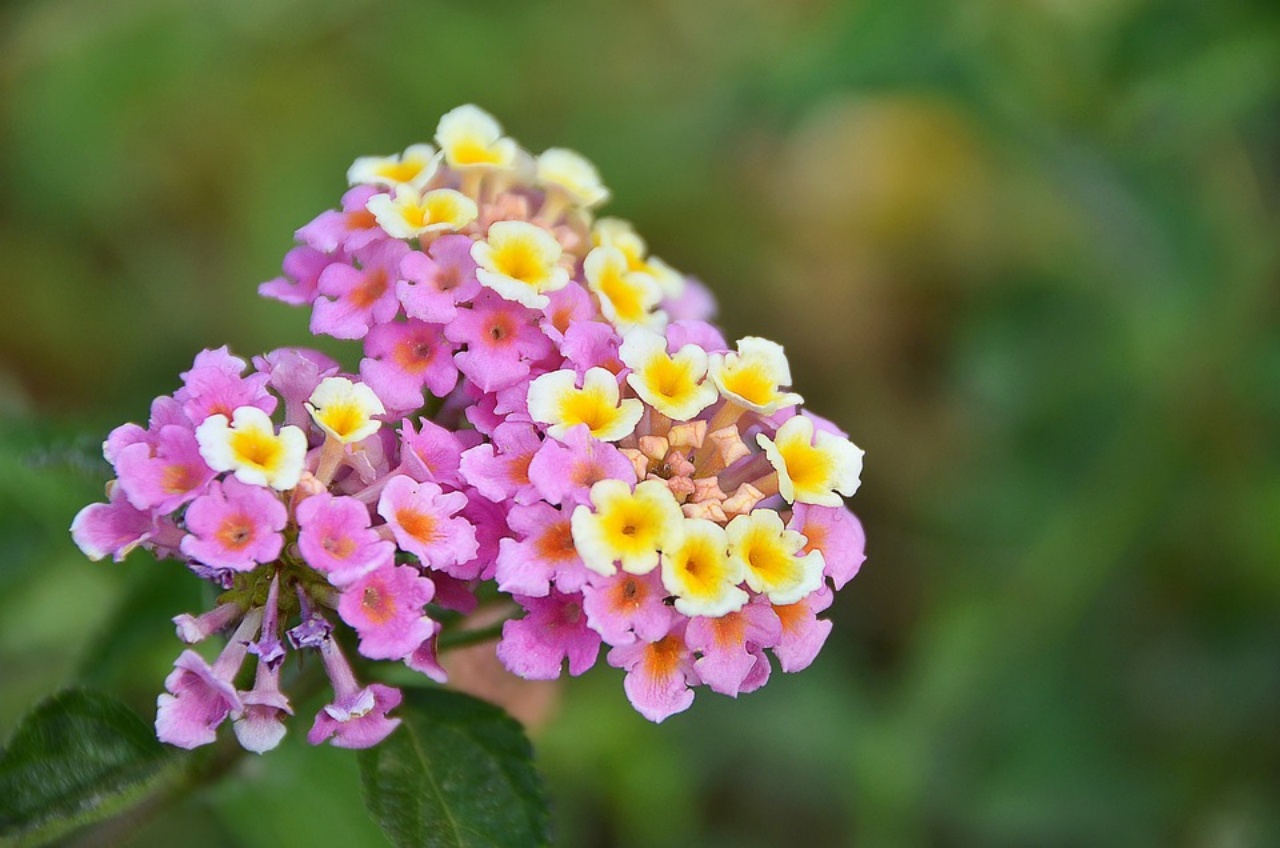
542 408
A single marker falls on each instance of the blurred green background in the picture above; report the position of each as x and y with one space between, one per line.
1023 250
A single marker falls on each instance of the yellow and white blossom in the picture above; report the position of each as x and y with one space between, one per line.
470 138
345 410
615 232
572 176
412 169
556 400
700 573
409 214
754 376
249 447
772 559
627 298
625 527
673 384
519 261
812 466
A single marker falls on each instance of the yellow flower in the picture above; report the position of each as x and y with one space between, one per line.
556 400
413 169
770 557
470 138
812 467
519 260
626 527
408 214
700 573
754 375
615 232
572 176
345 410
249 447
671 384
627 298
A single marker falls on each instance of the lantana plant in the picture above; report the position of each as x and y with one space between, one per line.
542 416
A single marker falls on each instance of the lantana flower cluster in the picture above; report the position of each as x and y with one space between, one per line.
542 413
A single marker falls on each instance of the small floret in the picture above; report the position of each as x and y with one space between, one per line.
673 384
700 573
754 375
249 447
414 168
519 261
813 468
345 410
627 528
556 400
408 214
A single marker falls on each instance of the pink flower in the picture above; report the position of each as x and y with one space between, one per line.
349 228
803 633
659 674
385 607
628 607
592 344
166 473
553 629
402 358
335 538
569 306
235 526
564 471
302 268
501 340
359 297
421 517
114 528
433 287
694 303
431 453
500 470
214 386
357 716
193 629
294 373
732 648
200 696
490 521
700 333
837 533
544 555
259 726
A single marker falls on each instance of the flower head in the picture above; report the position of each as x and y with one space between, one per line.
575 437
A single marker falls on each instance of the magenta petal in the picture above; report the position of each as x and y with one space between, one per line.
110 529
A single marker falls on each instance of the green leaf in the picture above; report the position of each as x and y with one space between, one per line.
458 773
78 756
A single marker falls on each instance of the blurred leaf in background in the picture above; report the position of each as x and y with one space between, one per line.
1025 252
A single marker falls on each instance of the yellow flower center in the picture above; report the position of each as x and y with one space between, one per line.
751 383
401 172
343 418
472 151
257 448
669 379
519 259
809 468
769 560
588 407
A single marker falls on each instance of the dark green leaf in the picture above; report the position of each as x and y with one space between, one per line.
458 774
78 756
